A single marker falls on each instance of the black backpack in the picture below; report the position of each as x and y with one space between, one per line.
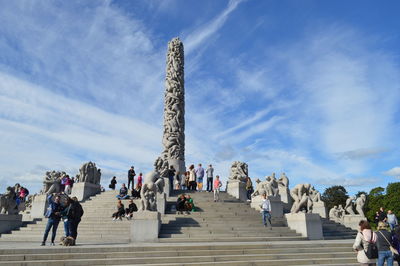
372 249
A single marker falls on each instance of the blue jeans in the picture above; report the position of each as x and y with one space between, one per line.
51 223
392 226
385 255
266 215
122 197
66 228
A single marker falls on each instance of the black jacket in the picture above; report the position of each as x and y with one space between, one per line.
76 211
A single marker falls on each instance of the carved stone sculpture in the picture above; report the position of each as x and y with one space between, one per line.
174 107
349 207
269 187
315 195
153 183
52 182
283 181
8 204
239 171
333 213
301 198
360 202
161 166
88 172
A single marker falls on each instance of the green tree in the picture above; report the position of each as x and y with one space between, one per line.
334 196
391 200
375 201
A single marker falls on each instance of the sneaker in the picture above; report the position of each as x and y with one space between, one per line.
52 244
114 219
43 244
120 218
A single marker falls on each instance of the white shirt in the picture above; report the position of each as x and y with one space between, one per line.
265 205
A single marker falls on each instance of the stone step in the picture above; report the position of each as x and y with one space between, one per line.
167 238
347 257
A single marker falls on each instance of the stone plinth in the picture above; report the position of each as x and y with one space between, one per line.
352 221
39 206
285 198
10 222
276 205
85 190
167 187
307 224
145 226
161 202
319 208
237 189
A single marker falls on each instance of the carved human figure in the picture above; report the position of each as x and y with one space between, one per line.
8 204
349 206
360 202
301 198
52 182
315 195
239 171
153 183
333 213
283 181
341 211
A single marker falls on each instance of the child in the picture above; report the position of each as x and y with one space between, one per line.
217 187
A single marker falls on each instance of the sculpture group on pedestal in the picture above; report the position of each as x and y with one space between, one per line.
338 213
270 187
304 197
88 172
239 171
8 203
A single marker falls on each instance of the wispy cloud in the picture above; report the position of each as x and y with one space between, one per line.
395 171
197 37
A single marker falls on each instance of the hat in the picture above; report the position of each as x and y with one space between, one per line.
382 225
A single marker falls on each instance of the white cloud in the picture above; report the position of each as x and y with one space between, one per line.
395 171
198 36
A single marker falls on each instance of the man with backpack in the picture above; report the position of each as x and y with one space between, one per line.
75 215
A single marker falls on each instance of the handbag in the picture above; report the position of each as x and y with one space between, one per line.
372 250
392 249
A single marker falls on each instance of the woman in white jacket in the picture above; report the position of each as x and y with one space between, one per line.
364 237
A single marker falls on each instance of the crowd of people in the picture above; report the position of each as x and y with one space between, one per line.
380 246
69 211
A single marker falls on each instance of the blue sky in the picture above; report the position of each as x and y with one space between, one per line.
311 88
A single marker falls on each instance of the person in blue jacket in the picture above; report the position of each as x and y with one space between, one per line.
53 214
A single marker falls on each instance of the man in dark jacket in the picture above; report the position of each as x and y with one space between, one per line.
131 177
53 214
75 215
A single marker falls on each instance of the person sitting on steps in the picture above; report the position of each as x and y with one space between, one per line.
123 192
181 204
189 204
120 211
130 210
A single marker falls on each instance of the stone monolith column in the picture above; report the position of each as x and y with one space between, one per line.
174 107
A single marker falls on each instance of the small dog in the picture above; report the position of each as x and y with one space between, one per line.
67 241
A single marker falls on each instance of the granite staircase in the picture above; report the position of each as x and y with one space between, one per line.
222 233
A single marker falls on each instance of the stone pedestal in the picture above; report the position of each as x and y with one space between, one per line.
10 222
285 198
276 205
352 221
167 187
319 208
307 224
161 202
237 189
145 226
85 190
179 165
39 206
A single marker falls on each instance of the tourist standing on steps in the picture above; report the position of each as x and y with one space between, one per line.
384 241
131 177
249 188
210 176
200 176
364 237
53 214
75 217
64 216
217 187
391 219
113 183
382 217
171 174
192 178
266 211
